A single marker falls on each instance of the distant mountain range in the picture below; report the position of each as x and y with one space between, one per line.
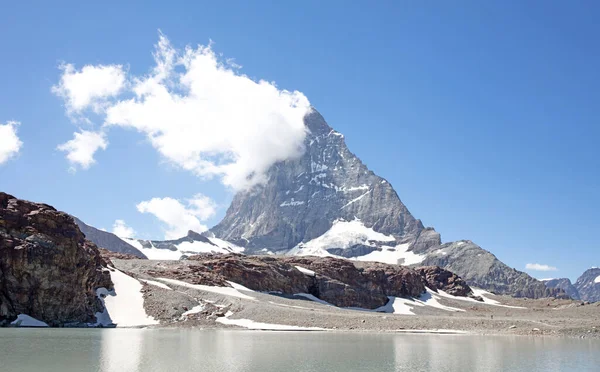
328 203
586 288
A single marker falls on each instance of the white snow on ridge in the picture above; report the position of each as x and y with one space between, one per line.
185 248
355 199
125 305
597 280
392 255
24 320
342 234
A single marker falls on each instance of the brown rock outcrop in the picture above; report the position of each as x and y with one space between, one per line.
442 279
337 281
47 268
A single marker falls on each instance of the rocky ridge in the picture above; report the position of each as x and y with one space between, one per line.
588 285
565 285
48 270
104 239
337 281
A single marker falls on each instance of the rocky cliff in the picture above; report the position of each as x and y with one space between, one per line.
565 285
588 285
328 203
304 197
47 269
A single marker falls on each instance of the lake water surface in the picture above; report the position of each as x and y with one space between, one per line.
145 350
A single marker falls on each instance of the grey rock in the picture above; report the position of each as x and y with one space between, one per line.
171 245
303 197
588 288
564 284
106 240
482 269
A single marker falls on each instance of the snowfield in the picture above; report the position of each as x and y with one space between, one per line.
185 248
393 255
342 234
124 306
597 280
346 234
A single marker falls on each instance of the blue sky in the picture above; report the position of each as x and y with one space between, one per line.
483 116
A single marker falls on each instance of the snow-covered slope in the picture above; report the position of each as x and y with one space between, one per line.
124 305
351 238
191 244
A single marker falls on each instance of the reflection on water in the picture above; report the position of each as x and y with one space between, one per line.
139 350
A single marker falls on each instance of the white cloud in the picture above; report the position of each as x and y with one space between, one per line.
177 217
10 144
90 86
121 229
80 150
540 267
201 114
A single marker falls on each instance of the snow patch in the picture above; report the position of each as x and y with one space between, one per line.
251 324
156 284
239 287
123 306
354 188
24 320
597 280
226 291
393 255
291 203
194 310
355 199
305 271
342 234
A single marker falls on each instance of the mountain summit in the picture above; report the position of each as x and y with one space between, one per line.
328 203
303 198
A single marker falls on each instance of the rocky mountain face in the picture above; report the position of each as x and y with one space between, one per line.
303 198
48 270
104 239
588 285
564 284
328 203
482 269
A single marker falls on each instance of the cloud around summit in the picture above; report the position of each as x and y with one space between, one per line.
194 107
